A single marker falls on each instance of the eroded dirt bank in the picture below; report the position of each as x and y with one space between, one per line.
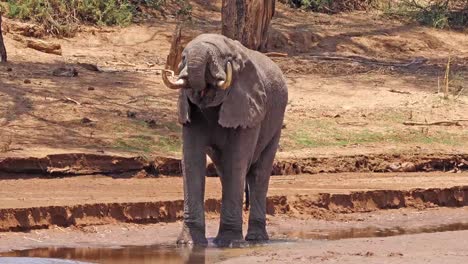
92 200
68 164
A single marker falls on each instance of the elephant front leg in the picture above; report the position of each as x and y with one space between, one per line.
258 179
194 166
235 160
230 227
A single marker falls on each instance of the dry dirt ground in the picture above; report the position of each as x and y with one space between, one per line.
386 73
354 80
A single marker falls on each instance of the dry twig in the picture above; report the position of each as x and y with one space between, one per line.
68 99
438 123
397 91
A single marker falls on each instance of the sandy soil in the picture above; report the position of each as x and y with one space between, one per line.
101 189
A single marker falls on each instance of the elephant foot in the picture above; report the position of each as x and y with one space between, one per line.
229 239
192 236
257 233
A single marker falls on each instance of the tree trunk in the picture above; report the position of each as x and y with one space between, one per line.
248 21
3 53
175 54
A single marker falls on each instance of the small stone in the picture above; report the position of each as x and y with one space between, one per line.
408 167
27 81
151 123
131 114
65 72
89 67
91 88
394 167
86 120
9 69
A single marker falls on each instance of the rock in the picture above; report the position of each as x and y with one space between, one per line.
86 120
408 167
394 167
89 67
141 175
151 123
27 81
65 72
91 88
44 46
131 114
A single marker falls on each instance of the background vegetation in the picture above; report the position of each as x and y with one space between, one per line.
435 13
62 17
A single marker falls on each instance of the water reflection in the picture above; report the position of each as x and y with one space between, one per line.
172 254
370 232
146 254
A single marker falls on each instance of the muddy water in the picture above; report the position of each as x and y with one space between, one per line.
174 254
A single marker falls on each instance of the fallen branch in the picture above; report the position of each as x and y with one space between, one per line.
353 123
399 92
438 123
276 54
68 99
40 45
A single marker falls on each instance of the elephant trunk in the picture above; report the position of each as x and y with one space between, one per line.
196 66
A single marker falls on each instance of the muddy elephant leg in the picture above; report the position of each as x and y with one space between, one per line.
235 161
258 179
194 168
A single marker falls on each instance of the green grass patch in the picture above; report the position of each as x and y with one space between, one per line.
324 133
148 144
137 136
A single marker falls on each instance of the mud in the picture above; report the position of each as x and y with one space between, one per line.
22 219
118 166
338 237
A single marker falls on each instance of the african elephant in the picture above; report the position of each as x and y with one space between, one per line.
231 104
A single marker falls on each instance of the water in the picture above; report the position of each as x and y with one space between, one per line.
371 232
138 254
172 254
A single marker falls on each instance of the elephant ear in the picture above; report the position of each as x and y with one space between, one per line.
246 100
184 107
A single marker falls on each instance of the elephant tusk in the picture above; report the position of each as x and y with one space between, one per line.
180 83
224 84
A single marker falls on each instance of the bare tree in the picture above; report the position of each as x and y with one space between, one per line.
248 21
3 53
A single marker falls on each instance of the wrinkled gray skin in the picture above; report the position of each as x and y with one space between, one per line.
239 128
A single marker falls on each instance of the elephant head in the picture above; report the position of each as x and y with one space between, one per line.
217 71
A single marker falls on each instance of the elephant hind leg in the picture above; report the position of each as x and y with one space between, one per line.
258 179
215 156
